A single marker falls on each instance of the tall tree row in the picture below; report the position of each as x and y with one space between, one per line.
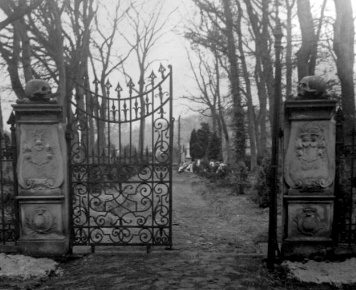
241 32
69 44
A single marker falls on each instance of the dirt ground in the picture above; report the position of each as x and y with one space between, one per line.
218 243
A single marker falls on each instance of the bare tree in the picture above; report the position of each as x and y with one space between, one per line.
207 77
307 53
288 56
258 16
209 36
248 94
105 60
15 12
146 27
239 115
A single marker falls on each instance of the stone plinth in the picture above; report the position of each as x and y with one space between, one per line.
308 176
43 196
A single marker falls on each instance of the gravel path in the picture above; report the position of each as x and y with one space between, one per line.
210 251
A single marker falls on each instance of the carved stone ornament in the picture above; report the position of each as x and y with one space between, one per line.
40 221
312 87
308 222
40 166
37 91
309 160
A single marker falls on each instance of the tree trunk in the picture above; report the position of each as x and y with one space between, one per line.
344 50
305 63
262 43
240 135
262 115
289 63
250 109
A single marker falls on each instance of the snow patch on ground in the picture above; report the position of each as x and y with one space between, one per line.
334 273
24 267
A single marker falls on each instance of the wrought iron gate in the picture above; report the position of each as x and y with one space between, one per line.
120 166
8 186
345 187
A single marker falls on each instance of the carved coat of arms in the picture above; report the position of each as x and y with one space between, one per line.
309 164
39 161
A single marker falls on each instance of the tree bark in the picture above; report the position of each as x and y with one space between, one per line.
260 28
240 134
289 63
262 115
344 36
250 109
305 63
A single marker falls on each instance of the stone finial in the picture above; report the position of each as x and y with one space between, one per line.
311 87
37 91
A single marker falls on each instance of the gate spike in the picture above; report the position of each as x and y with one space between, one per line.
162 70
125 109
96 81
130 84
113 110
108 84
136 108
118 87
152 76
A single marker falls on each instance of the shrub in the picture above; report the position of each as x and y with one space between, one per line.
214 148
233 176
237 178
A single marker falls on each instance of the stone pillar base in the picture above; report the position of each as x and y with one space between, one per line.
43 195
41 248
308 175
315 250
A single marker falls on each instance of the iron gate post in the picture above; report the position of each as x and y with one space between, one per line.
42 179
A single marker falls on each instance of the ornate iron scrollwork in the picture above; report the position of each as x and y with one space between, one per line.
121 189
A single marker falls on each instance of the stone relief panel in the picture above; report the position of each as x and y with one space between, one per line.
310 163
40 167
308 221
41 220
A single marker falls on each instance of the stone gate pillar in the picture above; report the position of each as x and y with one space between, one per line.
43 196
308 177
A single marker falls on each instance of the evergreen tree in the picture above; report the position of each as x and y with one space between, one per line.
203 135
214 148
195 148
